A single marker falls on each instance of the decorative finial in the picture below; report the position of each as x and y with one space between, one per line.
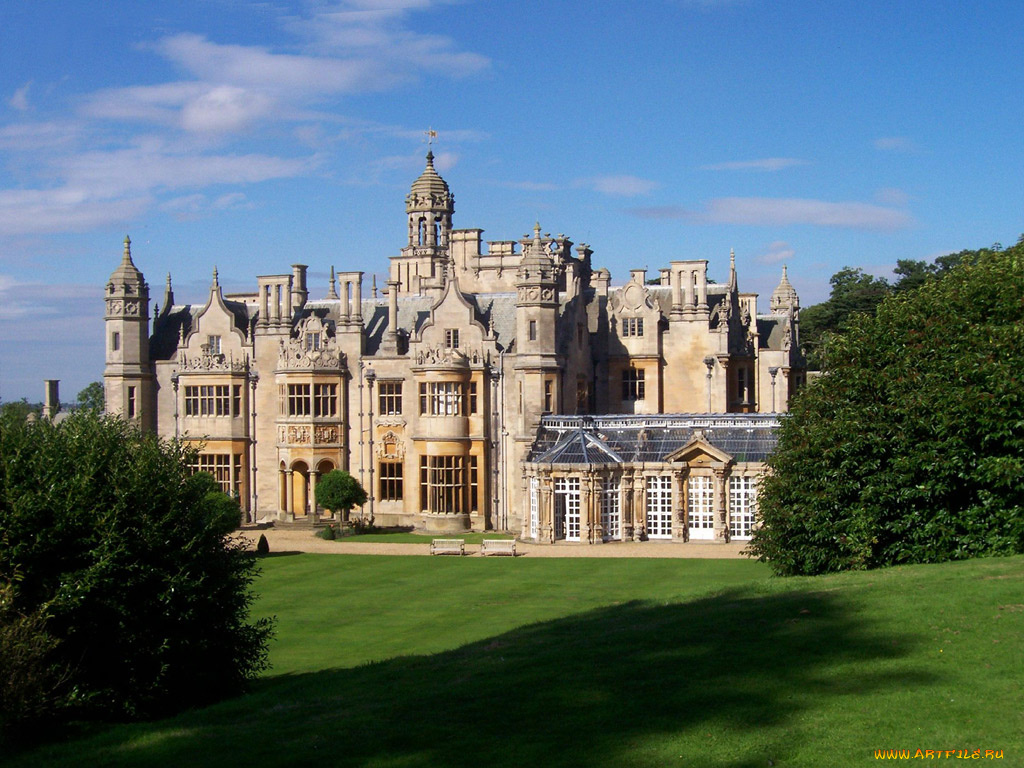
373 288
168 281
430 158
216 283
127 248
732 257
333 293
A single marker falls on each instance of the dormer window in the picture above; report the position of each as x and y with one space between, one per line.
213 346
451 338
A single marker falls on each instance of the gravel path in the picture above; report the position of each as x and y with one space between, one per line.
303 540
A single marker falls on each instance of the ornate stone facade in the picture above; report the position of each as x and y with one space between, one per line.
446 396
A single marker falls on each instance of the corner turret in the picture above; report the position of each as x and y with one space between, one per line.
127 378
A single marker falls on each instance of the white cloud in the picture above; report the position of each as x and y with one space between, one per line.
224 109
152 167
379 30
781 212
895 144
64 209
775 252
19 100
29 137
619 186
764 164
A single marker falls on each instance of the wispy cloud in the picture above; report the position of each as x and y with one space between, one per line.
781 212
619 186
65 209
895 144
19 100
764 164
352 47
773 253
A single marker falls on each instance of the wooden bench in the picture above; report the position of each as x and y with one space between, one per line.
447 546
498 547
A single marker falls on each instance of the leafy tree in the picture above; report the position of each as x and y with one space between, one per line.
910 447
130 558
338 491
91 398
20 409
853 291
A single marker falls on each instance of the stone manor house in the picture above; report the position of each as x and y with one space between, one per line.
507 387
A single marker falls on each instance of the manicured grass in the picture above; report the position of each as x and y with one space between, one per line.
408 537
389 661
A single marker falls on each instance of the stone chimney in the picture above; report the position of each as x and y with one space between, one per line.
51 398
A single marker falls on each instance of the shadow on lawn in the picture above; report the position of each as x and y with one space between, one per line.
593 689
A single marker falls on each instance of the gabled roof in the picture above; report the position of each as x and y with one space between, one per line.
579 447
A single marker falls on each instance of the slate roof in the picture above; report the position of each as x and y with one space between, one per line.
636 439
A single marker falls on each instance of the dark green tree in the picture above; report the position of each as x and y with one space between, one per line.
338 491
910 447
853 292
130 558
91 398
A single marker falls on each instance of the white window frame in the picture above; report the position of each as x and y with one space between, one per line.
611 508
534 507
659 506
567 508
700 507
742 507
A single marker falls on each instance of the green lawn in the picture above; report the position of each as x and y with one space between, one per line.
416 662
408 537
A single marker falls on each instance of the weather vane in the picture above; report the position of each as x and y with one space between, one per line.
431 134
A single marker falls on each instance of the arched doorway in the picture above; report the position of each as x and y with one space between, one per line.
300 488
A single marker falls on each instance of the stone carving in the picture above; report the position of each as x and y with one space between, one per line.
208 362
442 355
313 347
391 421
325 434
391 446
298 435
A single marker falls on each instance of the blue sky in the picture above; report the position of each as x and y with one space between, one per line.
256 135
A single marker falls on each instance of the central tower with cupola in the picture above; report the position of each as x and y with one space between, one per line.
429 207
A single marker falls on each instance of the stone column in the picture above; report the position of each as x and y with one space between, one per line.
721 510
586 509
287 290
344 300
546 528
263 303
313 474
597 500
679 503
639 508
289 495
357 295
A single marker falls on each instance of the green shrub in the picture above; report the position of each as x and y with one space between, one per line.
32 682
910 449
263 546
328 533
132 558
